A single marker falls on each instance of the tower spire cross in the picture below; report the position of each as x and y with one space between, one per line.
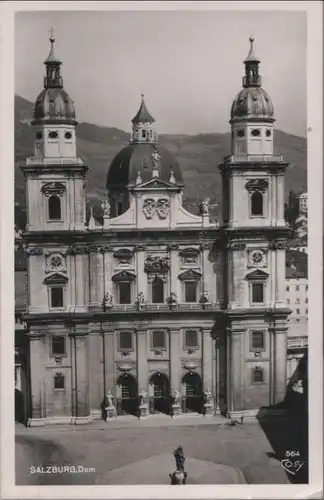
51 34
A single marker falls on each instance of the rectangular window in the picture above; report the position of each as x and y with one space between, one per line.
297 301
306 288
58 347
56 297
297 288
190 291
257 375
297 311
287 288
124 293
59 381
191 339
257 293
125 341
257 340
143 134
306 300
158 340
306 310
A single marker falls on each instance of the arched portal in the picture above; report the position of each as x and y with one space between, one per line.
160 401
127 400
193 395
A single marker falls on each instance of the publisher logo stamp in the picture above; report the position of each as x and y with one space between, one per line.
292 462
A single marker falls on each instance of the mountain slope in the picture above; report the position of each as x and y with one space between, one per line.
198 156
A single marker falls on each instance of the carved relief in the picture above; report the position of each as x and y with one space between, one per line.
55 263
77 249
257 185
53 188
123 255
189 255
156 264
236 246
33 251
257 258
149 208
161 207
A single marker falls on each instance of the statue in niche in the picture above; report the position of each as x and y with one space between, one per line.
156 160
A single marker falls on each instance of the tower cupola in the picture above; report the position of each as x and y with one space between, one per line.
252 113
143 126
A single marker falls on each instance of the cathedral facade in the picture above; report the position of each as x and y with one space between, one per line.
156 305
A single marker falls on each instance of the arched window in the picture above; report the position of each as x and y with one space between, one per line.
257 204
157 291
54 208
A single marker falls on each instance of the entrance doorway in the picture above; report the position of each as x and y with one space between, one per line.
160 396
193 401
127 402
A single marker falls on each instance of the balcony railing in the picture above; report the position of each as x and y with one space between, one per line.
253 158
118 308
297 342
34 160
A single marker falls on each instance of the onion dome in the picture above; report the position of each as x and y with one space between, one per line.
252 102
53 105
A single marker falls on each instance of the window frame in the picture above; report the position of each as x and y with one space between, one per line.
121 283
61 376
254 369
257 349
58 355
261 215
49 219
154 348
251 284
190 282
125 349
163 290
187 347
49 291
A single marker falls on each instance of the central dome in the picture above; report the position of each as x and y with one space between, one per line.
144 158
136 159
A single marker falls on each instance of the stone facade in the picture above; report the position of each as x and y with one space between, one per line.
156 300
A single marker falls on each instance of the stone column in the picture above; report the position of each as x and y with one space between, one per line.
36 378
108 357
207 359
141 355
280 273
83 389
96 368
280 199
80 270
174 271
280 363
237 378
93 279
107 269
141 278
175 363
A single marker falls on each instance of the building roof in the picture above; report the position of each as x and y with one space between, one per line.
137 159
142 115
252 102
54 105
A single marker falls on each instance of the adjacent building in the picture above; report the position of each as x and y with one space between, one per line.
156 300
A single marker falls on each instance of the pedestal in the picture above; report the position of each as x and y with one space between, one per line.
143 411
208 409
111 413
176 409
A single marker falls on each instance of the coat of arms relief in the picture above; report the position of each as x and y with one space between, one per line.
159 206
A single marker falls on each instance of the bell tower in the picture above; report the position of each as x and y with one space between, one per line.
254 236
54 176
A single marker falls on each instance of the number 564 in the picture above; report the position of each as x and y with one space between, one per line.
292 453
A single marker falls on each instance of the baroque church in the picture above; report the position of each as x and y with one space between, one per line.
157 307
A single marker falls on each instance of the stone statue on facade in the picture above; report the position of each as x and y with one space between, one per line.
208 404
143 405
138 178
107 301
106 208
179 476
140 301
173 300
176 406
205 207
108 408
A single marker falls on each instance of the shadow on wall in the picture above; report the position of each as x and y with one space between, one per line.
286 426
19 407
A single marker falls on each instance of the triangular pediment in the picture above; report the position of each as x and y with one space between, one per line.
55 279
190 275
156 184
257 275
125 276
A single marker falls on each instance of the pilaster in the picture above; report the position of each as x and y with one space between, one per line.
36 376
142 368
175 366
280 364
207 356
83 390
141 276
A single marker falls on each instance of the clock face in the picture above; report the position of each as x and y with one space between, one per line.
258 258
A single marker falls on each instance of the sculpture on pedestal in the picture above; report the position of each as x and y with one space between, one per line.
208 404
179 476
143 406
176 408
108 409
107 302
140 301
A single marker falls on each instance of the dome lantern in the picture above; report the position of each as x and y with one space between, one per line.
53 78
252 77
143 126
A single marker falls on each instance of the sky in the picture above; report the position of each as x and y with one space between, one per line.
189 65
